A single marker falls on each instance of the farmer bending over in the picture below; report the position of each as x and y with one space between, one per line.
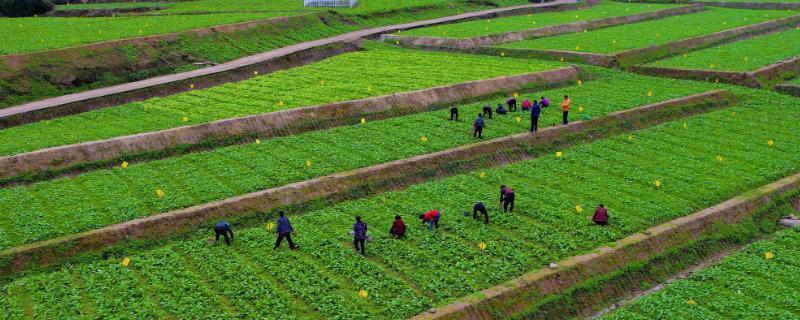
487 110
507 198
431 218
479 207
600 217
223 228
454 113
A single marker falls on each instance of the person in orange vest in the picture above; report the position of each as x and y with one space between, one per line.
565 109
432 218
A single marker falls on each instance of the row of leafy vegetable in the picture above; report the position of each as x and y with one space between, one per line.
760 282
103 197
644 178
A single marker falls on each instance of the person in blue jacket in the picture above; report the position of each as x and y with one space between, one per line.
223 228
285 230
536 110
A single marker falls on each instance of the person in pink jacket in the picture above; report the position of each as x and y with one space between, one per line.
600 216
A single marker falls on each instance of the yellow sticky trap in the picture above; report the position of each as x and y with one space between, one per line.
423 139
270 226
581 109
363 293
578 208
559 154
308 163
770 142
580 82
516 95
614 41
686 125
746 58
711 66
482 246
258 141
502 54
734 113
769 255
191 86
691 302
577 48
658 184
519 119
185 119
482 174
397 43
685 55
255 73
719 158
126 262
630 137
124 164
650 93
322 82
363 120
280 103
584 30
160 193
369 88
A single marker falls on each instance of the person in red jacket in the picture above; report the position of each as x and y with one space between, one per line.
432 218
600 216
398 229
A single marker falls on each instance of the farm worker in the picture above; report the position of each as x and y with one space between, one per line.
432 218
454 113
512 104
507 198
500 109
526 105
545 102
536 110
565 109
285 230
600 216
223 228
480 207
360 235
478 125
487 110
398 229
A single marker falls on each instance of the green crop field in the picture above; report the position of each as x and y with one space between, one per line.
760 282
531 21
741 56
188 278
222 173
795 81
643 34
375 72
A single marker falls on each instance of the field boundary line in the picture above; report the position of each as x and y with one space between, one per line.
392 175
275 124
241 69
513 296
790 89
759 78
511 36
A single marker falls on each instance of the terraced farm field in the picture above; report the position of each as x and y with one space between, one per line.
736 56
643 34
523 22
375 72
324 278
222 173
760 282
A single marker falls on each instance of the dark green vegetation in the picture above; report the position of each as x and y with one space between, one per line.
24 8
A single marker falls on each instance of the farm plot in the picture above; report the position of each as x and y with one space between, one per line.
476 28
644 34
699 162
112 196
741 56
349 76
760 282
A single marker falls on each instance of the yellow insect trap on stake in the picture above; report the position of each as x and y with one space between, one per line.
658 184
559 154
363 293
280 103
270 226
482 175
423 139
770 142
191 86
650 93
519 119
258 141
255 73
581 109
160 193
769 255
516 95
691 302
363 120
578 208
124 165
630 137
482 246
719 158
126 262
308 163
185 119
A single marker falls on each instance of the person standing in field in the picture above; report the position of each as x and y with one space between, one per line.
545 103
480 207
487 110
454 114
565 109
600 217
223 228
432 218
507 198
360 235
526 105
536 110
478 126
285 230
398 229
512 104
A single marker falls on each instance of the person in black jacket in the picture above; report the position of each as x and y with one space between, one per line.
454 114
487 110
480 207
512 104
223 228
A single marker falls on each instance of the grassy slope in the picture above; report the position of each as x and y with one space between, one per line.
324 278
740 56
515 23
745 285
345 77
643 34
226 172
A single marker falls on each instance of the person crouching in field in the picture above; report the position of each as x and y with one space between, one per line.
431 218
398 229
223 228
507 198
600 217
